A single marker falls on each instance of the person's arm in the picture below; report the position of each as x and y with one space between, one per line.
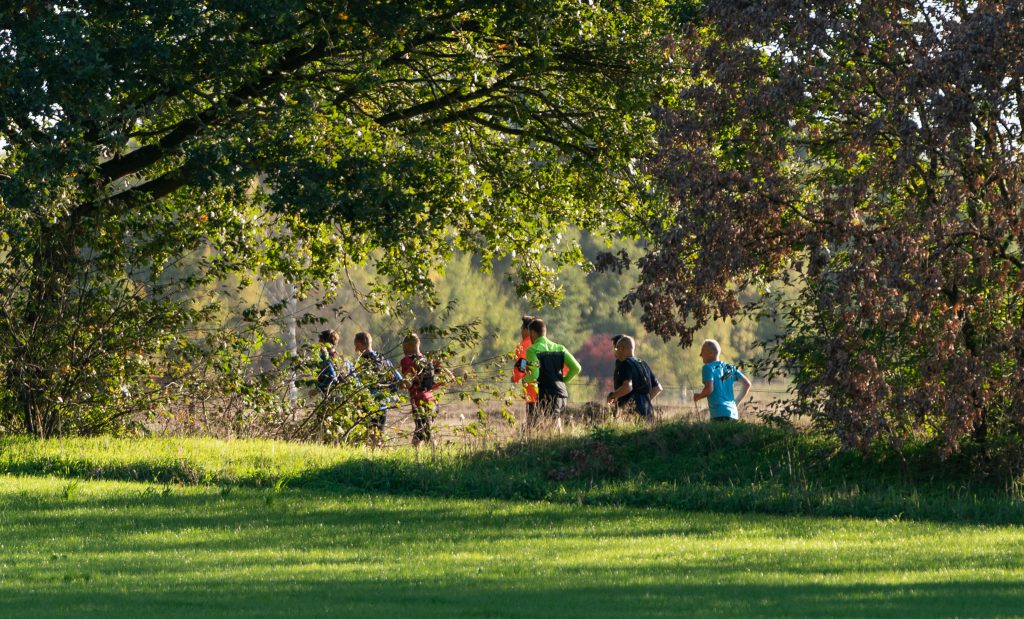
409 373
656 389
624 389
328 375
329 369
709 388
519 365
532 366
707 376
573 365
442 375
655 385
746 387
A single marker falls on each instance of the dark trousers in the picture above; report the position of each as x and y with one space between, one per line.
641 403
547 406
375 424
422 414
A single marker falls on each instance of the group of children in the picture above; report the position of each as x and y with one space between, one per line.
543 366
418 374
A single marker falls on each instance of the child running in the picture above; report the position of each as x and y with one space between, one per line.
329 361
420 376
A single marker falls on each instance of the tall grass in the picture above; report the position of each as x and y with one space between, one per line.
685 466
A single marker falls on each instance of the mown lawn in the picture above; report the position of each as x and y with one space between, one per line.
100 549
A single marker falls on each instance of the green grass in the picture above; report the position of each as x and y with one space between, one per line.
137 549
685 519
745 468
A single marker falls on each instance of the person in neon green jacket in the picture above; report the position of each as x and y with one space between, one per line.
544 361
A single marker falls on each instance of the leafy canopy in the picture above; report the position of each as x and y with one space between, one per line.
870 154
150 147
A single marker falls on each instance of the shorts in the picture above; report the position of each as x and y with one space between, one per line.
551 405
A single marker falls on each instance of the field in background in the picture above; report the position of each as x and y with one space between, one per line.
460 420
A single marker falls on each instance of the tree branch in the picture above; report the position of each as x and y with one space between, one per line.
450 98
146 156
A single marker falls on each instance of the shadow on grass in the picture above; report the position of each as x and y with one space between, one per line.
695 466
285 598
741 468
312 553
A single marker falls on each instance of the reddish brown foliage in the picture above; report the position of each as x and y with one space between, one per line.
597 356
871 154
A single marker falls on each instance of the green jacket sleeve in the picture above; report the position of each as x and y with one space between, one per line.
532 366
573 365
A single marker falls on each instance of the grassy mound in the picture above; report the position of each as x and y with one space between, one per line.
686 466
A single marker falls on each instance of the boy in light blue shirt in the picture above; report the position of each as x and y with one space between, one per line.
719 378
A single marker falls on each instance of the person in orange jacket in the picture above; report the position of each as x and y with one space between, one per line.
519 367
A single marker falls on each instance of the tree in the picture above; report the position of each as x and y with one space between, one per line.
871 153
288 138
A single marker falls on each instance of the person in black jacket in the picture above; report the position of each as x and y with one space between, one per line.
634 382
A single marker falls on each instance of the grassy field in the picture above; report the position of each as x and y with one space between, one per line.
192 528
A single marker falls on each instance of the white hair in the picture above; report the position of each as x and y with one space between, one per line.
713 345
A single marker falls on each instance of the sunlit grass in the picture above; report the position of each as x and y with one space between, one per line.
683 466
152 550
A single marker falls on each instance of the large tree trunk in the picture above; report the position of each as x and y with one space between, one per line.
38 417
33 367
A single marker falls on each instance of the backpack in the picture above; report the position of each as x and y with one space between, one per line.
645 373
387 377
426 374
328 375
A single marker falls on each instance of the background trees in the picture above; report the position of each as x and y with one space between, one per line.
870 152
154 148
864 156
586 318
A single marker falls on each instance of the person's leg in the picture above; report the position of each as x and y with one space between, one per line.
423 414
429 415
547 407
645 409
379 423
557 407
533 411
417 420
